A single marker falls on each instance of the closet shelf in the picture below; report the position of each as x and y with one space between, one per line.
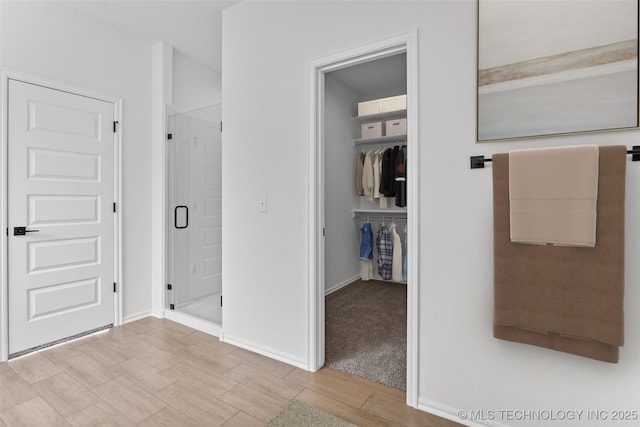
380 116
381 140
380 212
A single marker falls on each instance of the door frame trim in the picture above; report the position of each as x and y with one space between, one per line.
9 74
408 43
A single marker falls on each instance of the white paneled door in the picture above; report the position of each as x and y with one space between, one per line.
60 215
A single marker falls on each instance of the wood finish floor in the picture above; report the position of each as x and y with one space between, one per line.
155 372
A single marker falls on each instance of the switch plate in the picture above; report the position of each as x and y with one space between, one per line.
262 204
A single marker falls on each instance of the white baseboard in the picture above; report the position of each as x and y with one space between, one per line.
457 415
268 352
341 285
137 316
193 322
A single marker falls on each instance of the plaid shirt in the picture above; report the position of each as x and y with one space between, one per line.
385 252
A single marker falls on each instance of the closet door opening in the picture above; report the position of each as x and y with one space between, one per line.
194 219
365 219
328 220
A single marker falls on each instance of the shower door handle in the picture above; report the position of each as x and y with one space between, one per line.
186 217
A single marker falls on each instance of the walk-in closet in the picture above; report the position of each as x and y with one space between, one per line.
365 217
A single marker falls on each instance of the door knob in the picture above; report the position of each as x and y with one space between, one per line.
21 231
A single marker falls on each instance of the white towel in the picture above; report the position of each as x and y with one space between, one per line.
553 194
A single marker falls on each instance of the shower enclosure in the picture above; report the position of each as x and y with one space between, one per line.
194 215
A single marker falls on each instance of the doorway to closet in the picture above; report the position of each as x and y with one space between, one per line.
194 219
381 312
366 220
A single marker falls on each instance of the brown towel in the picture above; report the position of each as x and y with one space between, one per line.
566 298
553 194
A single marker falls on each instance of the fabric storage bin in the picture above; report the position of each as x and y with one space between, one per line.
393 103
396 127
382 105
368 107
371 130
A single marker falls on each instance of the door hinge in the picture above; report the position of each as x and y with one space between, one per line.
323 232
220 300
220 127
169 136
115 128
172 306
169 286
114 287
114 207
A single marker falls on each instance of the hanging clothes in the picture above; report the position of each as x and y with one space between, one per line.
377 161
404 255
401 177
377 176
396 258
366 251
367 176
366 270
359 170
385 252
387 180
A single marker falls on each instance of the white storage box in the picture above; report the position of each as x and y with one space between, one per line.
368 108
393 103
382 105
396 127
371 130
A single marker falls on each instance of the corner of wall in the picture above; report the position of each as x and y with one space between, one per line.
161 95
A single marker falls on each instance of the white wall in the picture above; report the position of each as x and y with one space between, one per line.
462 367
194 85
342 238
161 96
51 41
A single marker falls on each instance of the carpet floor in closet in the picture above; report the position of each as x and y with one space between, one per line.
366 331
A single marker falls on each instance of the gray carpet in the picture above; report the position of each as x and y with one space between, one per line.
297 414
366 331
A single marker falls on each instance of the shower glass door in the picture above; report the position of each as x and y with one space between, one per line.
194 217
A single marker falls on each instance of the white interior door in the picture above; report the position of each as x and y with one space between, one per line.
61 189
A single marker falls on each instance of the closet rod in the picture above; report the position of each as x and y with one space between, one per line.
393 218
379 214
477 162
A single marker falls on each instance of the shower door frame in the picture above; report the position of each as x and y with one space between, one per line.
174 315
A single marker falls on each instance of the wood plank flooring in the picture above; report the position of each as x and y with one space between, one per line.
155 372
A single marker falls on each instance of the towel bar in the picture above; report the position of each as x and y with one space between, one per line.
477 162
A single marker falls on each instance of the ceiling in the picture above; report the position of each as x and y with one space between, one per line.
193 28
367 79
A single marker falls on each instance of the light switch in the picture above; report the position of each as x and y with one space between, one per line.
262 204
